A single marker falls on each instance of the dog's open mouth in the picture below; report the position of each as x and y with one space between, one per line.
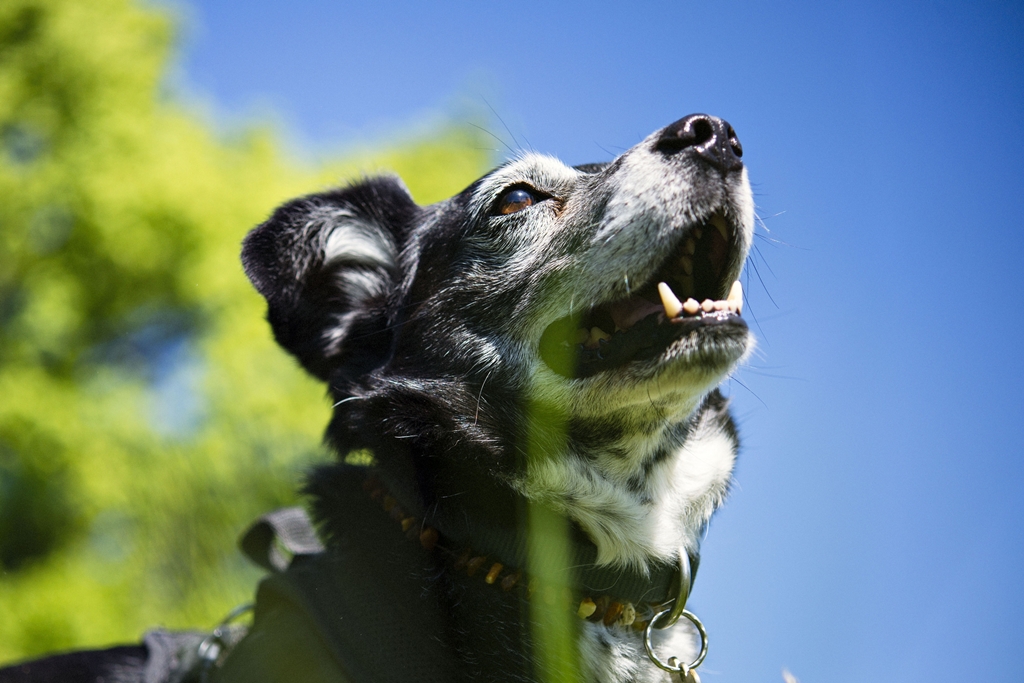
680 298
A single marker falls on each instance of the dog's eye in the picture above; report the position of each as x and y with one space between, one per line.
515 200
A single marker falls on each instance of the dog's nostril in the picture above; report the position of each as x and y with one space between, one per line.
734 142
698 130
688 132
708 137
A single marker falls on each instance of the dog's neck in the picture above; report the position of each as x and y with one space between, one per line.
484 543
637 485
639 489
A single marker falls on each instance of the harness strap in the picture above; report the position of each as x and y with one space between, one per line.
355 612
162 657
276 537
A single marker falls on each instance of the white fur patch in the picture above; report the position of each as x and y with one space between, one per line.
353 241
633 527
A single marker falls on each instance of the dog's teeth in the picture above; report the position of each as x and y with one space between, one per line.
672 305
720 225
736 297
708 305
698 233
721 305
691 306
691 246
686 263
596 335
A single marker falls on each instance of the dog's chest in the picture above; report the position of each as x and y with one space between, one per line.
613 655
640 494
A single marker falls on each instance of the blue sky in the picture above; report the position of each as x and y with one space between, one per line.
876 529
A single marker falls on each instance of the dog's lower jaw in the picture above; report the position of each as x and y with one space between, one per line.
675 383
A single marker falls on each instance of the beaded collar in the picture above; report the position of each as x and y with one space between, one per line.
614 597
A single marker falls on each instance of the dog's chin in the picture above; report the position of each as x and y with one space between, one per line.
672 381
712 340
709 349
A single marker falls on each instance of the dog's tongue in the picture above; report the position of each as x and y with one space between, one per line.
628 312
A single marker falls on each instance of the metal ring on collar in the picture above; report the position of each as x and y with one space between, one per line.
683 594
672 665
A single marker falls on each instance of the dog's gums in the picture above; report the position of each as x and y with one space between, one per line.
683 297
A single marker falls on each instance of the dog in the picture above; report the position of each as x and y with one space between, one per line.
547 344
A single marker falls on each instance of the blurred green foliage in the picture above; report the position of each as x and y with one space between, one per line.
146 416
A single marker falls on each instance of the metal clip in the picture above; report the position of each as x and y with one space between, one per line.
672 614
213 645
673 665
683 593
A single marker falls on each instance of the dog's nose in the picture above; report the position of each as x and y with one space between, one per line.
709 137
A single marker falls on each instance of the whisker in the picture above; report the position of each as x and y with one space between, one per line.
510 149
507 129
752 392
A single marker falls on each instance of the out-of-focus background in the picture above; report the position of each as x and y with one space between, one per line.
876 529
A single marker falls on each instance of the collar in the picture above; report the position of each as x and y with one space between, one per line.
497 556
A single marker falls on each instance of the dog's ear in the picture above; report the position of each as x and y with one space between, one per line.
327 265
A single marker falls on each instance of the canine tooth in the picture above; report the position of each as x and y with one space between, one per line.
721 305
736 297
687 264
672 305
691 306
708 305
720 225
691 246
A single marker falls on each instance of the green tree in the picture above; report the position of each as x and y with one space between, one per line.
145 413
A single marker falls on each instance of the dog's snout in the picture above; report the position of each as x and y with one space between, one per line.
709 137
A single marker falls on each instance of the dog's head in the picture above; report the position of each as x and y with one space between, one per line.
537 269
539 283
